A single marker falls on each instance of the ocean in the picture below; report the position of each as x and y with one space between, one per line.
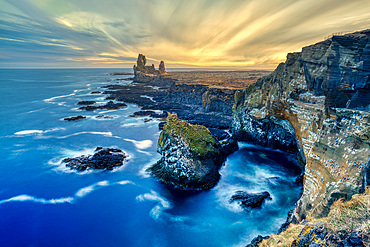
44 203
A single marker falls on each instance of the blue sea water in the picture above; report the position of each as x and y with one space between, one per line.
43 203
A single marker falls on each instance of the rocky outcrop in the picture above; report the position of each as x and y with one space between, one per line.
110 105
74 118
86 102
191 155
320 97
103 158
144 73
250 200
315 234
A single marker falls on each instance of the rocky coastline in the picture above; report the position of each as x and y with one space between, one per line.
315 106
321 97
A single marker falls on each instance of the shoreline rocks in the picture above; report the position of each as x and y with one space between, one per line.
86 102
110 105
74 118
250 200
191 156
103 158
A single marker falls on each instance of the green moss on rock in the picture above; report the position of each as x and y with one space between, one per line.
197 137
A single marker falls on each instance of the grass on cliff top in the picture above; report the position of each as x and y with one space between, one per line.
197 137
353 215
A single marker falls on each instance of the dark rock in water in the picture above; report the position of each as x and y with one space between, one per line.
103 158
256 241
142 113
104 116
250 200
152 114
147 120
109 106
74 118
86 102
95 92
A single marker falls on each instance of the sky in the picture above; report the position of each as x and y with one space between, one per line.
183 33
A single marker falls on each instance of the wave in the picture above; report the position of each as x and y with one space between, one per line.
83 192
28 132
36 132
105 134
58 97
141 144
162 203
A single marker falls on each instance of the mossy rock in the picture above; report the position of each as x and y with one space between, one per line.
197 137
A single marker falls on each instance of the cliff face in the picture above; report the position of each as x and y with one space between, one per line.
316 105
191 156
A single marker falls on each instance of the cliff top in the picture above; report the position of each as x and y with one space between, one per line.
238 80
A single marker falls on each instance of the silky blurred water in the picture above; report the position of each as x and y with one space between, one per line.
43 203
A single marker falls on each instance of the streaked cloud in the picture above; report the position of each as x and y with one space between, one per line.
208 33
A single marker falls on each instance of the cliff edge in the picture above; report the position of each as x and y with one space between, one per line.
316 105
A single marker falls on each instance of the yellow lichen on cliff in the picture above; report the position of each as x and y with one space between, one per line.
353 215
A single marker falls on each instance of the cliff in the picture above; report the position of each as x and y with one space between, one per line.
316 105
191 155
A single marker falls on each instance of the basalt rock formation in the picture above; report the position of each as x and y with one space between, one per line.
144 73
191 155
316 105
103 158
250 200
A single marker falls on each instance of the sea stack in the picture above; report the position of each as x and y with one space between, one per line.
191 156
144 73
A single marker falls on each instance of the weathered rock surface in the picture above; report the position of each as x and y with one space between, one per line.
103 158
321 98
110 105
86 102
314 234
191 156
74 118
144 73
250 200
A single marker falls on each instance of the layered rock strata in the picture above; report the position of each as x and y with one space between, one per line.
191 155
316 105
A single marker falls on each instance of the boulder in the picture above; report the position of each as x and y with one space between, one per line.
250 200
74 118
103 158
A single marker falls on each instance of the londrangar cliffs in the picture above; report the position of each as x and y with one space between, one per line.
316 105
